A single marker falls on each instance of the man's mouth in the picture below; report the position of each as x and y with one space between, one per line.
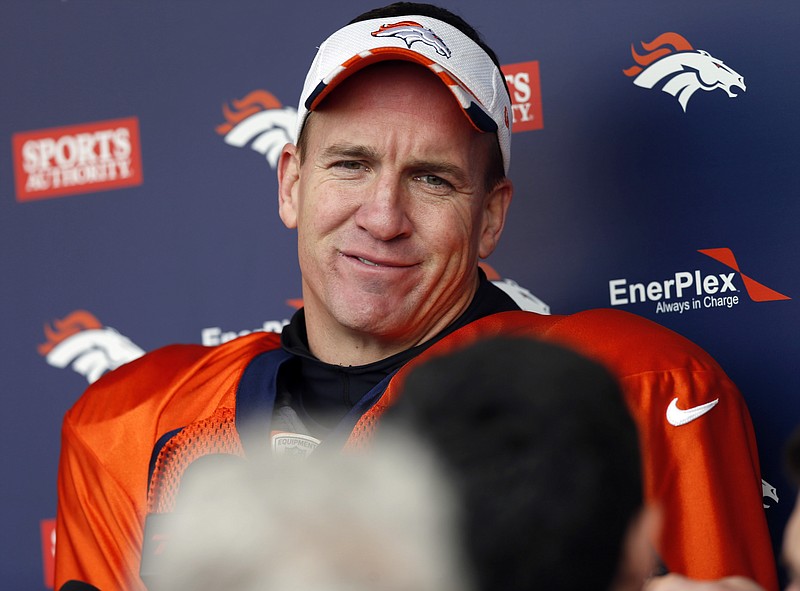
379 262
368 262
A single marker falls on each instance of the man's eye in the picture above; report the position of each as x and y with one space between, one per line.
433 180
350 165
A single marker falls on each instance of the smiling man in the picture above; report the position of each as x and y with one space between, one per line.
393 209
397 187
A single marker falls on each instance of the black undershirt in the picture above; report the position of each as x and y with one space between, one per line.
323 393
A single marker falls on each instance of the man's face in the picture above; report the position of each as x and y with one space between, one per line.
791 548
392 212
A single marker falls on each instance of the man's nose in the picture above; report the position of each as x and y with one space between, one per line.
384 212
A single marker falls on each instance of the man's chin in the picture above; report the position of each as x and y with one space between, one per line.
372 314
376 321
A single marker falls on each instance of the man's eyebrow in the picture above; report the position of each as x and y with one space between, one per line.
351 151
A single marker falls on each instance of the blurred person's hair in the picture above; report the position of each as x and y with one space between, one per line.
793 456
540 443
380 521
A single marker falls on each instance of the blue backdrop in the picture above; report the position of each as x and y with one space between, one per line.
138 200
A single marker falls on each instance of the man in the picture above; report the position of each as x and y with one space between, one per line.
397 187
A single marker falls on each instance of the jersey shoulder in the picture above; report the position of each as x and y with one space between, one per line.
173 375
627 343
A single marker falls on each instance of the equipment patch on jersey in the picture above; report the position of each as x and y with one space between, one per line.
293 444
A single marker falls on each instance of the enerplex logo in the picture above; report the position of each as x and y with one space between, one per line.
681 70
260 120
82 342
526 95
77 159
214 335
693 290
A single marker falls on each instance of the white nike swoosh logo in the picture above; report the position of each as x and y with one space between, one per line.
678 416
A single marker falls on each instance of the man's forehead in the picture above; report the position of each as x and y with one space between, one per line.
393 78
394 90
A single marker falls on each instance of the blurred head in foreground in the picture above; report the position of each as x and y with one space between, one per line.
540 444
380 521
791 535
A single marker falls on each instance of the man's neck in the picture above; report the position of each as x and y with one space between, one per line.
350 348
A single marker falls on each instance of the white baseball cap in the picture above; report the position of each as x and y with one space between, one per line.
460 63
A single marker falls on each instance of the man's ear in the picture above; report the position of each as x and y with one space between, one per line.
288 177
494 216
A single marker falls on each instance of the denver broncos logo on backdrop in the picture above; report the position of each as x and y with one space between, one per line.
683 70
769 494
260 120
411 32
521 296
91 348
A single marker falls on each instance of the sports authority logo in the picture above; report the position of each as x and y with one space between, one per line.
82 342
694 290
411 32
77 159
672 62
259 120
526 95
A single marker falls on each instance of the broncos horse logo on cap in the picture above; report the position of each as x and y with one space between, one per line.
672 58
411 32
